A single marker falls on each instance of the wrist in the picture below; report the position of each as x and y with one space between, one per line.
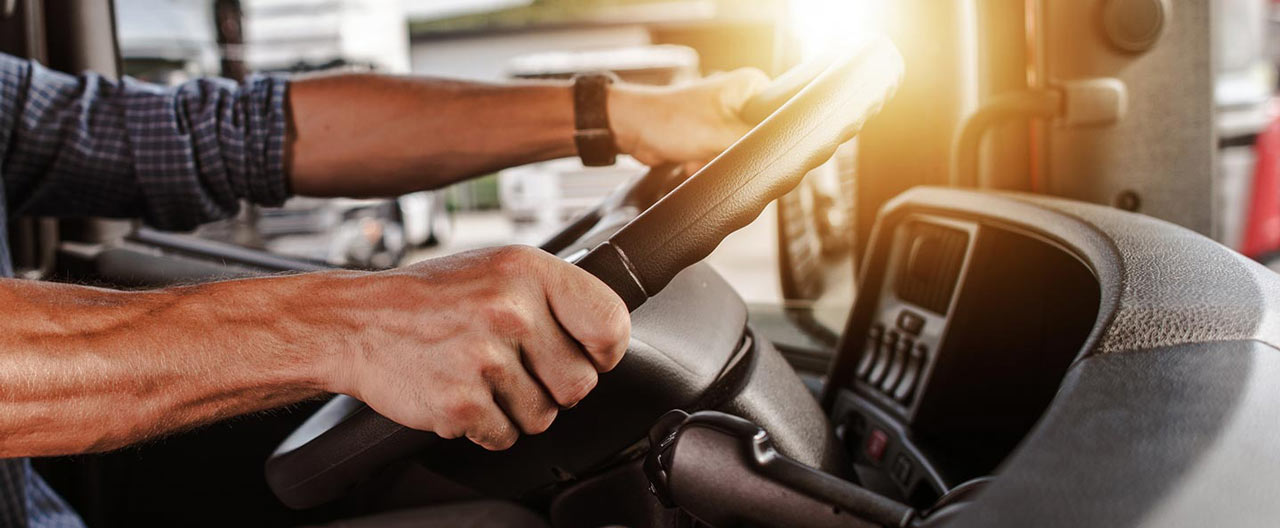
297 336
625 104
328 327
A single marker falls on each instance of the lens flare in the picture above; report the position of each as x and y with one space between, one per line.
820 25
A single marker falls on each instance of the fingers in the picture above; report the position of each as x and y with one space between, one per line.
739 86
570 331
490 429
556 338
561 365
522 399
590 312
525 334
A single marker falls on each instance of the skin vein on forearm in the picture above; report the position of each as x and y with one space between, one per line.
86 369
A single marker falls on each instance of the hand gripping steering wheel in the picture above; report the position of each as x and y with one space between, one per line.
803 116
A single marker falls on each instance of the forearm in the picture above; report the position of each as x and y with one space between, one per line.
362 135
375 135
85 369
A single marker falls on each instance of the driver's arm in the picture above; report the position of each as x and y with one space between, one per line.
484 345
362 135
185 155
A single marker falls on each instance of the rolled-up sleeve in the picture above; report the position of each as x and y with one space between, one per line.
176 157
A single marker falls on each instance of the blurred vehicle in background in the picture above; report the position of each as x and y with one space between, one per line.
169 42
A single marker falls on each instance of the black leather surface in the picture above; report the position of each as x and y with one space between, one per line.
775 399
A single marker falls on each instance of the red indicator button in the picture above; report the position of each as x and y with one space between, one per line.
876 442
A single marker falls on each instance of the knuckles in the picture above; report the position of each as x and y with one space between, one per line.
517 261
463 412
490 365
505 315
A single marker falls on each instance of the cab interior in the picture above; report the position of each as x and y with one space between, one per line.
1044 324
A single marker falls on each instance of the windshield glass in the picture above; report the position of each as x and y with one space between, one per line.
650 42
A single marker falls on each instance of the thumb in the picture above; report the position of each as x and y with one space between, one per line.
739 86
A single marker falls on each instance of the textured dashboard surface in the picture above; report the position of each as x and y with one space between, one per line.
1170 413
1161 284
1177 286
1127 442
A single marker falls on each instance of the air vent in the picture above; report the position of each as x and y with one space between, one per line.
933 255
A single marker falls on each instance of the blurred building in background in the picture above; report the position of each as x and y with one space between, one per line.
314 34
167 41
727 34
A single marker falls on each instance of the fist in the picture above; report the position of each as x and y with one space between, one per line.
487 344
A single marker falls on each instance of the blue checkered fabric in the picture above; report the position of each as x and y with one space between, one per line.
88 146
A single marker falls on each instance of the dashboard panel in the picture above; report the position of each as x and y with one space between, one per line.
1105 367
969 327
914 300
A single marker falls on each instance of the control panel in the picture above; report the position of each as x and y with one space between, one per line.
928 256
957 315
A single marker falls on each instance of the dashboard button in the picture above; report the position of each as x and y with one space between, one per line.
902 469
911 372
887 349
910 322
877 441
870 350
896 364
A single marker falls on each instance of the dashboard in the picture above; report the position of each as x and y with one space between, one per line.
963 331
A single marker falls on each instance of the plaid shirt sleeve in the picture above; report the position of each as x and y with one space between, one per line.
176 157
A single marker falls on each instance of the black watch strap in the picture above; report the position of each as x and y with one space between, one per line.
592 135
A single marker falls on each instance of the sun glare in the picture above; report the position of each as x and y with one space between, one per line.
822 24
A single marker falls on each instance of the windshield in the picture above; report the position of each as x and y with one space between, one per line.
648 42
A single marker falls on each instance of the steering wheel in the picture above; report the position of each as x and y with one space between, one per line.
803 117
635 196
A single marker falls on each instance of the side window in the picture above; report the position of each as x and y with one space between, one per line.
171 41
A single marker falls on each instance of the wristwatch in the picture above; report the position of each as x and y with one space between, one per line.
592 135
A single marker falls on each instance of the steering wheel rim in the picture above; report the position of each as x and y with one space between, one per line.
804 116
635 196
